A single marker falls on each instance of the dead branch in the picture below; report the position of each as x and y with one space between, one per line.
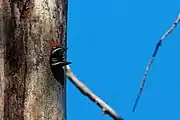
105 108
168 32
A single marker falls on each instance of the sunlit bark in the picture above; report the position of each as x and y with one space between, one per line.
28 90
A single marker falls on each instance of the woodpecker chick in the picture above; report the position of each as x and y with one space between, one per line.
57 62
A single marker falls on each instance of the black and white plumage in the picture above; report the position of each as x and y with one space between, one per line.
57 61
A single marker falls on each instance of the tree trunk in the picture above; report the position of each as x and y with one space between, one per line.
28 90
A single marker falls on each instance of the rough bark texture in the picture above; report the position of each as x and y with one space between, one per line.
28 91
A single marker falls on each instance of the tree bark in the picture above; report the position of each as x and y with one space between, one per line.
28 90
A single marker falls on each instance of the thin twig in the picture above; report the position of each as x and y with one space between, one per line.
153 57
105 108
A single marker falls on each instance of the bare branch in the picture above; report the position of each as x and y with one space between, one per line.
105 108
153 57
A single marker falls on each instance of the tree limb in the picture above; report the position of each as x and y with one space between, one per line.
168 32
105 108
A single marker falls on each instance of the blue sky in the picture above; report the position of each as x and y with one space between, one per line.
110 43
